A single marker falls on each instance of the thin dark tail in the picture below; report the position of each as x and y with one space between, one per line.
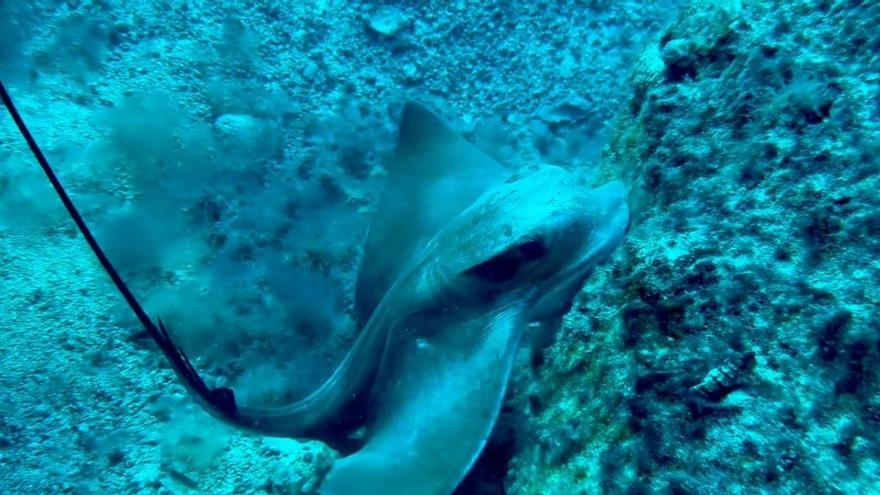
220 401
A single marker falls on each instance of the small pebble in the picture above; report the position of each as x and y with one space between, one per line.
386 21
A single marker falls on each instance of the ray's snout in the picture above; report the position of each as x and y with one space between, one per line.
612 193
613 198
610 211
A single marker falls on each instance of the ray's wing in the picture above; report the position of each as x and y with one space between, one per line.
435 174
439 399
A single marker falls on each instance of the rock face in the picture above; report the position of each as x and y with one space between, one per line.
732 344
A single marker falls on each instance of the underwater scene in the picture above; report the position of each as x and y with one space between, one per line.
440 247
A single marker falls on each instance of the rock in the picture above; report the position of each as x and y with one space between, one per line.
749 182
236 125
247 136
571 110
680 59
387 21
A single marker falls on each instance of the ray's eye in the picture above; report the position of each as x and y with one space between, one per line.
504 267
532 250
500 269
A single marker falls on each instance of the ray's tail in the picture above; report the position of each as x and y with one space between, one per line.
219 401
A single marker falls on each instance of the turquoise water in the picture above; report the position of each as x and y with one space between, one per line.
476 317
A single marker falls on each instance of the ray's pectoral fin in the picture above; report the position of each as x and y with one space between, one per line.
434 175
440 397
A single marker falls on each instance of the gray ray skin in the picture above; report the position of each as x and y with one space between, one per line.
461 256
434 175
455 313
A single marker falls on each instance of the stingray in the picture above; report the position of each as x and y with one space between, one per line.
462 256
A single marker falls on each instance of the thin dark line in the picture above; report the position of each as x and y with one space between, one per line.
175 355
